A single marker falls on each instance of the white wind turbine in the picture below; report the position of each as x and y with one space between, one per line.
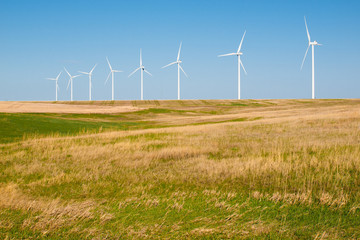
90 75
71 82
112 71
238 54
312 44
56 85
178 62
142 69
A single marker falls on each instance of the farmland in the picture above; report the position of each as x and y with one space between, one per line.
210 169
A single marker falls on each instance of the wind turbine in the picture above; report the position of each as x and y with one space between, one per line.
178 62
56 85
238 54
312 44
71 82
90 75
112 71
142 69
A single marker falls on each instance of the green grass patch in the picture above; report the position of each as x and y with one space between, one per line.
14 126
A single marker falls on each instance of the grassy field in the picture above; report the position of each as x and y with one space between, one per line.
249 169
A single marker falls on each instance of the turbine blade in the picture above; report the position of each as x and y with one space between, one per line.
50 78
147 72
68 84
67 72
228 54
134 71
84 72
183 71
93 69
241 42
302 64
307 30
109 63
58 75
107 77
76 76
117 71
140 58
242 65
169 64
178 57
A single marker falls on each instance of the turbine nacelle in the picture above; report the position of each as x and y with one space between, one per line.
315 43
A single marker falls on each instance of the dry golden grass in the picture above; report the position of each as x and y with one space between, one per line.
222 180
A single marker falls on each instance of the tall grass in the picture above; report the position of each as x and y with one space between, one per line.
280 176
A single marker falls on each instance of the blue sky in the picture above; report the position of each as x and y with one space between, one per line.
39 38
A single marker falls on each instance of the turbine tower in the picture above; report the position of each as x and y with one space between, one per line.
142 70
238 54
178 62
90 75
71 82
112 71
56 85
312 44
